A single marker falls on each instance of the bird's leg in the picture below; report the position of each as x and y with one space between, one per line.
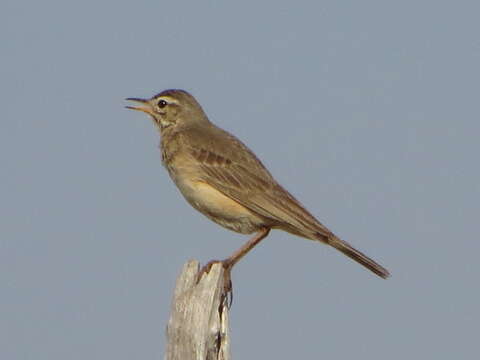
229 262
249 245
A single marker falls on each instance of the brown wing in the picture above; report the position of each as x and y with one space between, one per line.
229 166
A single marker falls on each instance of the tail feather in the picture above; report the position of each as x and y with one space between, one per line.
358 256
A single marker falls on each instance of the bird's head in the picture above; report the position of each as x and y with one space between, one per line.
171 108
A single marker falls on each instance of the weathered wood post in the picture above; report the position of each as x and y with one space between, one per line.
198 327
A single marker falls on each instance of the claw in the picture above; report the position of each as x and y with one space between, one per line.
227 293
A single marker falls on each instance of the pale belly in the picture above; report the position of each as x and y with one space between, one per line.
219 208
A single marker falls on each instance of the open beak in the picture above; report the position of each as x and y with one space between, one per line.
145 106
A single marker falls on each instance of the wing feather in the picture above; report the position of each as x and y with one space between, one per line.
254 187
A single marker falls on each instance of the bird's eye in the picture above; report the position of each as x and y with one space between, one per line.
162 103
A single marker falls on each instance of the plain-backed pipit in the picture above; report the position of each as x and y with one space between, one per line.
223 179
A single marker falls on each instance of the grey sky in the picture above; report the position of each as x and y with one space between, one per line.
367 111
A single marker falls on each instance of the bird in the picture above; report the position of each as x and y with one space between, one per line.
224 180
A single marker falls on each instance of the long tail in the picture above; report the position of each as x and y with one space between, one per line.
356 255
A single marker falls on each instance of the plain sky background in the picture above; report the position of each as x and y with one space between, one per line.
367 111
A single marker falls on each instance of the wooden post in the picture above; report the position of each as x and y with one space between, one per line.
198 325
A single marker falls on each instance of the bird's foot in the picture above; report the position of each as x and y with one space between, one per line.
227 293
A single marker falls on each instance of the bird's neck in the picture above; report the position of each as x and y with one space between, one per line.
169 144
